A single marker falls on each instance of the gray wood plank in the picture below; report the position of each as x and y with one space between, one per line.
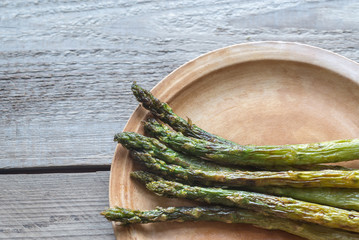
66 66
54 206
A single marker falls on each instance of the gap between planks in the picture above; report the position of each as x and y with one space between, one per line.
57 169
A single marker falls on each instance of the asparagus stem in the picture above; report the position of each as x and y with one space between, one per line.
336 197
164 112
317 167
227 215
159 150
136 141
297 179
266 204
299 154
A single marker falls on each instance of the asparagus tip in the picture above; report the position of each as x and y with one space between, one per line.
134 86
117 137
138 91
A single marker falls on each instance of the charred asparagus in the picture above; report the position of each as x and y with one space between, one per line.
336 197
135 141
299 154
265 204
298 179
227 215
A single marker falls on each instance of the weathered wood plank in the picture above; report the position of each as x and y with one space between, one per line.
54 206
66 67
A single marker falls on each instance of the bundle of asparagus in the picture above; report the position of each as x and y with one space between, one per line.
273 187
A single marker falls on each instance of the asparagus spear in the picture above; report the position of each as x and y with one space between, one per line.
299 154
266 204
159 150
297 179
336 197
227 215
136 141
164 112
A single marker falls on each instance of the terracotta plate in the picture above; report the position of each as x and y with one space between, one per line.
255 93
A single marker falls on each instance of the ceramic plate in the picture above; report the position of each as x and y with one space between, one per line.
256 93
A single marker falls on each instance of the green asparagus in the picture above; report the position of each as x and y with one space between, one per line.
164 112
159 150
201 160
266 204
336 197
135 141
298 179
299 154
227 215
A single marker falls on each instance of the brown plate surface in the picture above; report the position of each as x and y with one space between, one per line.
257 93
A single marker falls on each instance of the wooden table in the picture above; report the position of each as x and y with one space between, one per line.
65 74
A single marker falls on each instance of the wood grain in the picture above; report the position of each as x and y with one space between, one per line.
54 206
66 66
65 74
